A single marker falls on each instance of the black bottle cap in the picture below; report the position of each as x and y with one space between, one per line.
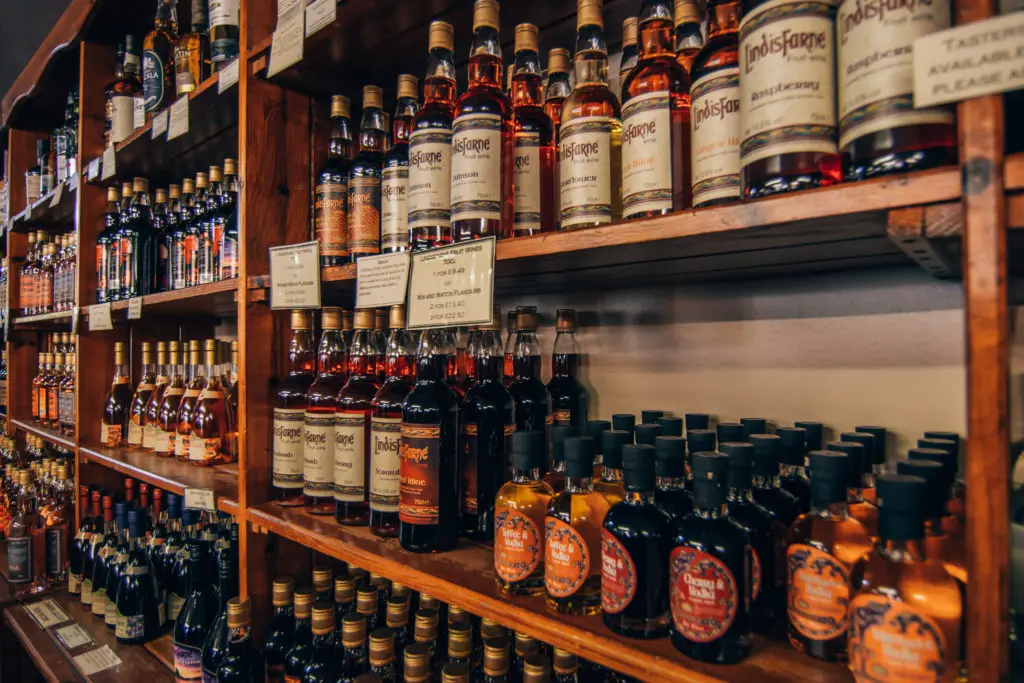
594 430
880 433
829 474
741 463
729 431
948 436
579 456
767 449
701 440
814 434
671 426
647 433
638 467
753 425
794 445
651 416
671 455
527 450
559 433
612 442
900 515
857 454
697 421
624 422
868 441
947 459
710 472
943 444
936 488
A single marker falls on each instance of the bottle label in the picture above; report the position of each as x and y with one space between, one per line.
201 450
430 177
51 403
129 627
150 435
715 132
566 558
350 457
110 435
394 213
470 489
184 80
138 112
787 93
182 445
19 560
223 13
122 117
561 417
755 575
188 662
74 584
419 488
34 396
703 595
476 167
527 182
646 154
385 463
153 93
65 407
318 455
110 613
43 403
288 448
585 171
134 432
56 555
330 220
618 574
876 65
891 641
228 257
518 545
86 588
364 215
174 604
164 442
99 601
33 184
819 592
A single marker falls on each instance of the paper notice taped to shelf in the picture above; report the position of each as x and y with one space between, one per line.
135 308
100 318
47 613
382 280
73 636
200 499
58 194
320 13
295 276
980 58
452 286
177 125
92 172
96 660
227 77
287 45
159 125
109 163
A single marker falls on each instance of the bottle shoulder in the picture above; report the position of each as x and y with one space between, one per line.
656 74
719 53
435 115
483 100
631 520
720 532
587 101
367 164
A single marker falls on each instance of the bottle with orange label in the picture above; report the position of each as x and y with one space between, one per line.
116 409
572 535
634 553
519 511
823 549
709 571
942 544
863 511
905 618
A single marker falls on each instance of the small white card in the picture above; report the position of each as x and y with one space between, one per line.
73 636
47 613
100 318
452 286
320 13
74 320
96 660
382 280
109 164
159 125
288 41
135 308
200 499
227 77
295 276
92 172
58 194
178 123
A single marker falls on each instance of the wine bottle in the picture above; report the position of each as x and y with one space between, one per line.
282 630
216 645
138 607
193 618
80 543
302 640
236 664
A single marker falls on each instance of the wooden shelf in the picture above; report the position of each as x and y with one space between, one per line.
44 214
169 474
59 321
49 435
213 299
465 577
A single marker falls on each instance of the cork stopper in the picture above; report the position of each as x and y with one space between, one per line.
188 185
202 180
485 13
302 320
408 86
353 629
382 646
396 317
113 195
126 190
526 319
363 319
119 353
140 185
373 96
284 591
527 38
216 174
687 12
230 167
442 35
330 318
161 196
629 29
323 618
589 13
239 612
340 106
147 353
558 61
304 603
566 320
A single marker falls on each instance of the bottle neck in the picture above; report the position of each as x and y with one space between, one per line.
737 493
405 115
579 484
590 60
712 511
638 498
485 58
723 18
656 31
331 354
339 146
903 551
362 360
525 476
439 84
300 353
526 80
371 130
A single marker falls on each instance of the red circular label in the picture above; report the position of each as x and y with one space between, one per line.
703 595
517 545
566 559
618 574
755 575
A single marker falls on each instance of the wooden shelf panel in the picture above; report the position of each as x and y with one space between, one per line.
213 299
169 474
465 577
59 321
1014 173
42 214
49 435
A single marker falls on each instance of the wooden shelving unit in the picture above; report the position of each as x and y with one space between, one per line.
48 435
56 321
55 209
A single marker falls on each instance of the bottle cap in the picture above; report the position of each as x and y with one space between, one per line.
829 475
939 455
696 421
216 174
344 588
579 456
408 86
867 441
565 662
161 196
948 436
496 651
794 445
229 167
647 433
526 38
526 319
558 61
330 318
527 450
373 96
284 591
526 645
455 672
729 431
366 600
900 507
753 425
442 35
485 13
700 440
397 615
559 433
624 422
936 486
650 417
382 646
140 185
303 601
767 448
425 625
417 663
368 677
670 455
589 13
857 454
638 467
323 618
363 319
612 442
880 434
595 430
340 106
396 317
629 29
353 629
687 12
113 195
239 612
710 474
947 445
813 434
670 426
460 640
741 463
428 601
536 669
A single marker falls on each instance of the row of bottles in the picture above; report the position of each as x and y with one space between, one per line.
49 274
54 387
56 155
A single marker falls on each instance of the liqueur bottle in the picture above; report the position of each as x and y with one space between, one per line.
460 642
793 456
224 32
236 666
429 469
192 54
364 181
876 450
322 666
318 426
510 344
101 520
867 470
483 139
610 482
103 245
634 553
353 641
709 570
158 58
112 529
138 606
568 395
787 144
167 414
901 585
302 640
488 421
23 546
557 89
824 548
80 543
289 409
943 542
330 204
655 122
138 245
596 430
572 573
630 51
226 224
206 238
689 38
530 396
352 426
282 630
950 461
161 252
151 411
782 505
861 510
519 520
534 172
216 645
590 136
56 524
182 251
670 486
194 226
394 212
430 146
125 106
212 421
147 383
189 401
117 407
647 433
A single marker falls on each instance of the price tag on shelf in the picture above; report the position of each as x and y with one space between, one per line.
178 124
92 172
58 194
227 77
47 613
452 286
73 635
135 308
320 13
382 280
109 164
100 318
96 660
74 320
73 183
288 39
295 276
200 499
159 125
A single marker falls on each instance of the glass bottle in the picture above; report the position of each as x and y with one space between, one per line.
289 409
282 630
167 414
322 666
302 640
180 212
117 407
206 239
824 549
630 51
793 457
125 103
610 483
861 510
873 439
382 655
596 430
950 460
80 543
39 389
430 146
330 202
656 121
226 224
36 381
56 536
23 541
531 397
211 420
189 400
52 390
192 53
194 225
224 32
671 492
102 516
942 544
689 37
354 661
158 58
394 214
590 137
138 606
150 413
557 89
319 419
143 392
236 666
364 180
782 505
105 556
519 520
352 446
569 397
137 245
161 249
429 468
216 645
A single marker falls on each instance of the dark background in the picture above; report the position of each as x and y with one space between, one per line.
23 25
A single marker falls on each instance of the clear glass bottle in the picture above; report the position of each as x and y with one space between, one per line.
569 398
117 407
189 400
319 419
206 237
224 32
151 411
943 542
212 421
394 213
24 541
364 179
630 51
179 214
330 202
143 392
689 33
289 409
167 414
557 89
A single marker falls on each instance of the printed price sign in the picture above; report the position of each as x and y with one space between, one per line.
452 286
178 123
159 125
227 77
320 13
109 163
73 636
47 613
382 280
200 499
96 660
295 276
100 318
58 194
289 38
92 171
135 308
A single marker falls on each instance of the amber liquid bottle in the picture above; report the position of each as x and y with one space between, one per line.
430 146
167 413
158 86
630 51
483 139
394 211
557 89
531 398
364 178
330 197
187 408
868 470
66 402
510 345
40 389
689 35
864 512
877 450
319 418
289 411
137 421
151 411
429 469
824 549
943 542
352 426
609 483
212 420
117 407
656 122
902 585
555 476
569 397
951 461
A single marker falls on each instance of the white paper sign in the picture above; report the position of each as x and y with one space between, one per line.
178 123
58 193
972 60
287 45
135 308
47 613
320 13
109 165
100 318
159 125
295 276
227 77
74 320
382 280
96 660
200 499
452 285
73 636
93 171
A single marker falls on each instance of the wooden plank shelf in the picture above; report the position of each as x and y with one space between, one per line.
45 214
58 321
212 299
465 577
169 474
52 436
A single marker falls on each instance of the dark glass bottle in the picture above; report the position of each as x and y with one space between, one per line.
289 409
568 395
364 179
208 238
100 502
319 419
105 556
115 563
158 58
302 640
216 644
80 543
782 505
530 396
670 492
793 458
237 665
869 466
382 655
322 667
394 212
137 273
137 600
104 241
226 224
330 203
344 596
193 618
354 660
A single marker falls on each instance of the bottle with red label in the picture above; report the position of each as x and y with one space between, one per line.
709 571
634 553
572 547
670 492
519 511
905 616
860 509
555 477
793 456
824 548
568 395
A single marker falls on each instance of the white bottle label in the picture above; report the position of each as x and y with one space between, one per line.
476 167
876 64
394 208
527 181
385 461
138 112
585 171
288 448
430 178
150 435
223 13
350 457
122 117
715 135
787 92
646 154
134 434
318 455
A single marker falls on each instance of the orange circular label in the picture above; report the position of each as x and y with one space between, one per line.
755 575
618 574
819 592
702 594
517 545
566 559
890 641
